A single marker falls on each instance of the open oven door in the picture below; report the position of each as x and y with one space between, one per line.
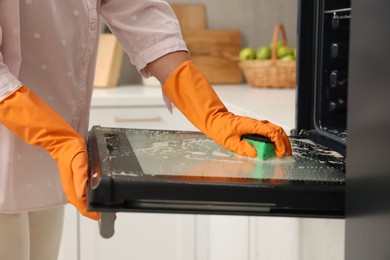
141 170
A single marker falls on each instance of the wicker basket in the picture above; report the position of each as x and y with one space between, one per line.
271 73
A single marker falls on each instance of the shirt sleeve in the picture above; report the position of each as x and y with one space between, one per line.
146 29
8 82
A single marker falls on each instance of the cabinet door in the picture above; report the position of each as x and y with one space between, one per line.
140 236
250 238
275 238
321 239
222 237
140 117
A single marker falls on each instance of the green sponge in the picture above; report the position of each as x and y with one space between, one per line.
264 147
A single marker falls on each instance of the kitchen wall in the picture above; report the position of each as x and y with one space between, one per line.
255 19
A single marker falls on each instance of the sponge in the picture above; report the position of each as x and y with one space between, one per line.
264 147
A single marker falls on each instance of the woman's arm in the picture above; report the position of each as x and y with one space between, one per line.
191 92
163 67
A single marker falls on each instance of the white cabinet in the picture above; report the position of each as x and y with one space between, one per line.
140 236
274 238
147 117
321 239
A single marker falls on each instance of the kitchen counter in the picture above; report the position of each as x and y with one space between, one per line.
275 105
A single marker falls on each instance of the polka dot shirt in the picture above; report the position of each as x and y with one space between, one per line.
50 46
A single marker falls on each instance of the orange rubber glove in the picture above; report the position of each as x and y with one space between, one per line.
28 117
193 95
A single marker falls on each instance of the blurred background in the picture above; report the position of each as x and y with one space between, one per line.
255 19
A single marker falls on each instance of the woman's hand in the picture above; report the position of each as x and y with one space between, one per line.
28 117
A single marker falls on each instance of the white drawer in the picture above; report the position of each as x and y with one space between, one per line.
139 117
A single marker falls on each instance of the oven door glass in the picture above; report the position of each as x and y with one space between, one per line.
186 172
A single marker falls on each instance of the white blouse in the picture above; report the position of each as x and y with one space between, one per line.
50 46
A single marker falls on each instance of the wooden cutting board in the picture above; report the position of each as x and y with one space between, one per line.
218 70
190 16
213 42
109 60
215 52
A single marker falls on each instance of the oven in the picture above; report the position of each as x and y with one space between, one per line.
149 170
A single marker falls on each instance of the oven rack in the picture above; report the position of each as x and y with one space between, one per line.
339 13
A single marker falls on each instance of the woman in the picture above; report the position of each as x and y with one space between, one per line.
47 63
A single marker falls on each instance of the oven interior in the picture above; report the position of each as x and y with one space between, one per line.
322 78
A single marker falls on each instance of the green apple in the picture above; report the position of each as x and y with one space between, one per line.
287 58
263 53
295 53
284 51
247 53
